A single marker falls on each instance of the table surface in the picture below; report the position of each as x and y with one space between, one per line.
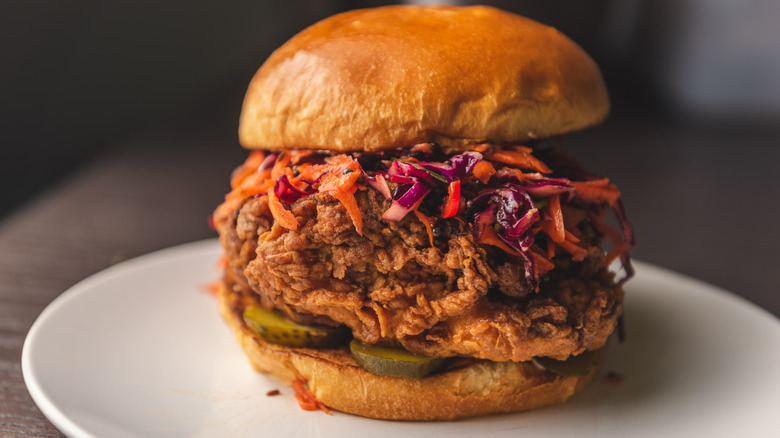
703 202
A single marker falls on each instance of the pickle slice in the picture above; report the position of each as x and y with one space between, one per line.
394 361
574 366
276 329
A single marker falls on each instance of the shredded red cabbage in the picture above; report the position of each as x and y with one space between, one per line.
504 211
417 179
380 184
456 168
537 184
407 202
513 209
567 167
400 171
287 192
268 162
505 207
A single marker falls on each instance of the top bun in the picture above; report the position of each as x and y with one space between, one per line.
396 76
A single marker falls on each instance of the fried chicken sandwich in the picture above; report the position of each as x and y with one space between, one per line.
406 239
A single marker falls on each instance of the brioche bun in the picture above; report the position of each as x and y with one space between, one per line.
392 77
478 387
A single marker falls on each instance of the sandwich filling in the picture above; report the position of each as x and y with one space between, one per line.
498 253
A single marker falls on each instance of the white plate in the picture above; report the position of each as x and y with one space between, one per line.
139 350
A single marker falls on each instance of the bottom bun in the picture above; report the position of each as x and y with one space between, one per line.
467 388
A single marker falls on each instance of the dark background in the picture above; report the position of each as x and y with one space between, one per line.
692 139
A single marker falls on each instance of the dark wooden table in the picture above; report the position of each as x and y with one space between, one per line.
704 202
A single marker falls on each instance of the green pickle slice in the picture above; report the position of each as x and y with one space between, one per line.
276 329
574 366
394 361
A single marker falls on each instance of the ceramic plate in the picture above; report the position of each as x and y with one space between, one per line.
139 350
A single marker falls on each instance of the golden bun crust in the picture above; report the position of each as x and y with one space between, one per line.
335 379
396 76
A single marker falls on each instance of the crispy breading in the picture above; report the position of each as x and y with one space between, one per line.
391 286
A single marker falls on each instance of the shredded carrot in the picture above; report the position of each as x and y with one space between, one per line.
249 167
214 287
617 238
489 237
240 175
620 246
482 147
248 192
340 181
556 214
339 177
298 155
518 173
427 222
571 237
347 198
543 264
254 184
291 178
283 216
250 185
553 225
597 191
423 147
550 249
520 157
224 210
281 163
306 399
548 227
308 172
483 170
577 252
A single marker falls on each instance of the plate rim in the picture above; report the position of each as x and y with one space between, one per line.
39 395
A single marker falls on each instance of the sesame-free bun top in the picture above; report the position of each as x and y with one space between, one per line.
396 76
